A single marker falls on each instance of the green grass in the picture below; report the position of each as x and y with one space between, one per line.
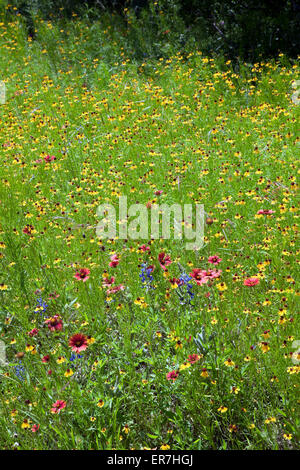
200 131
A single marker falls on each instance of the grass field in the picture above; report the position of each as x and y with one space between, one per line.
162 361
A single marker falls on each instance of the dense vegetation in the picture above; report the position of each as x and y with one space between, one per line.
248 29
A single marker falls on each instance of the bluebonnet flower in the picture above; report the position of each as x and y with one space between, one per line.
75 356
41 306
146 276
20 371
184 290
185 278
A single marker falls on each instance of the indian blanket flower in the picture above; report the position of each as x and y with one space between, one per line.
144 248
58 406
28 229
54 323
35 428
202 276
172 375
115 289
197 275
83 274
214 259
193 358
265 212
114 261
78 342
53 295
49 158
251 281
108 281
211 273
164 260
33 332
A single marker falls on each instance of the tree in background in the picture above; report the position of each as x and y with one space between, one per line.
236 28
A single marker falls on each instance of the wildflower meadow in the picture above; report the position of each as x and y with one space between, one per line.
134 341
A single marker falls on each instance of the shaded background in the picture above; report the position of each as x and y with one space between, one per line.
245 29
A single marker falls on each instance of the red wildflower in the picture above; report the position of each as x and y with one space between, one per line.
54 323
78 342
28 229
114 261
212 273
35 428
164 260
144 248
46 358
251 281
115 289
158 193
107 282
265 212
33 332
197 275
83 274
53 295
57 406
49 158
214 259
193 358
172 375
202 277
176 281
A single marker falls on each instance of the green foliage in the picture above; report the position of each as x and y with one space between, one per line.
248 29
